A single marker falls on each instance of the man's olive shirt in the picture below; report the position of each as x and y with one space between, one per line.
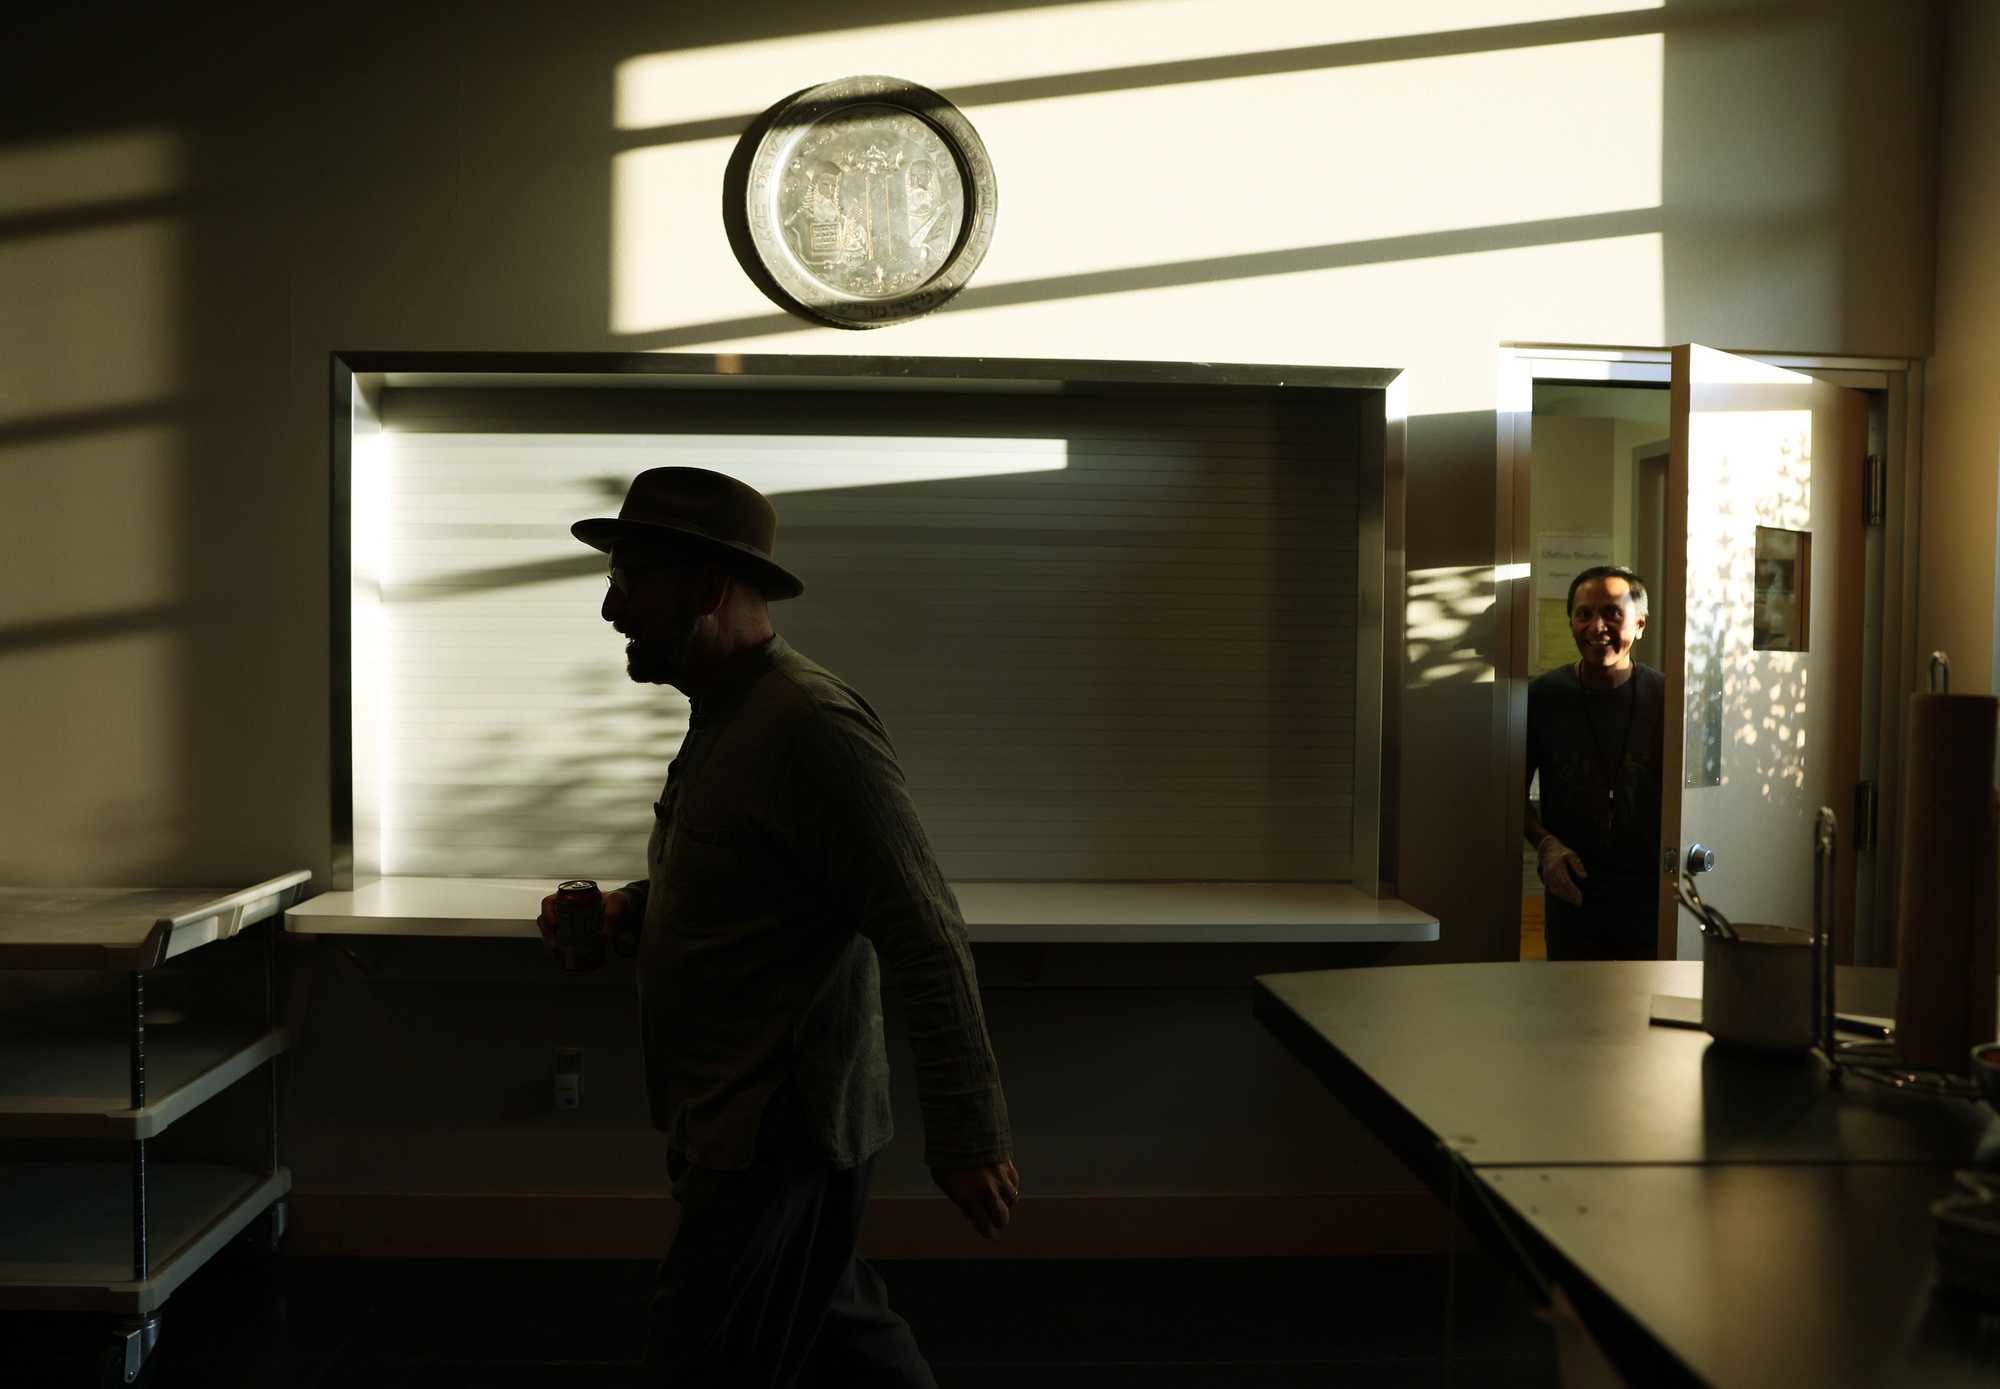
786 856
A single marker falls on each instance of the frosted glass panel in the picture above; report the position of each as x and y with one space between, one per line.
1110 639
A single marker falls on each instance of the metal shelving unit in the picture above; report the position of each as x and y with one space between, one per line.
109 1236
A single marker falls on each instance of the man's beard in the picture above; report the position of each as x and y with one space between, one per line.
663 660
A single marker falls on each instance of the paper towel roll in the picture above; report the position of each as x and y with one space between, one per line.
1948 930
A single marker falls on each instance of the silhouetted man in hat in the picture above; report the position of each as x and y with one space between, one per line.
786 858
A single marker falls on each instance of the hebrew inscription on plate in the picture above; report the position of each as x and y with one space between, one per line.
870 201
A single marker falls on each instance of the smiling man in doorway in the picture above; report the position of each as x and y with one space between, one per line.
785 861
1594 730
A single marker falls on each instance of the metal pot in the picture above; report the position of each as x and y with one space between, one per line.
1757 988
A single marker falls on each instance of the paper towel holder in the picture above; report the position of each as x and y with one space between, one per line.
1871 1060
1940 673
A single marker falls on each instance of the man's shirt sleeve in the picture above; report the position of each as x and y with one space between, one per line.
847 815
1534 738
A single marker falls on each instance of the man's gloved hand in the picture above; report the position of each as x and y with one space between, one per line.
1560 868
619 927
985 1196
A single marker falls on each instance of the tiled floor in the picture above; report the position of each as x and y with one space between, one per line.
326 1324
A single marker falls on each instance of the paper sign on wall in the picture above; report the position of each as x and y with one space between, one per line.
1560 558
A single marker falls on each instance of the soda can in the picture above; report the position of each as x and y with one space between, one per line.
580 924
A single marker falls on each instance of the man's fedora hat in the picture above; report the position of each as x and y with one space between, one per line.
702 511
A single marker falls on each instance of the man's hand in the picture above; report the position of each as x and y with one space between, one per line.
1560 868
621 923
984 1195
619 930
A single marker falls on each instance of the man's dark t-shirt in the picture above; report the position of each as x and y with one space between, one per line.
1598 752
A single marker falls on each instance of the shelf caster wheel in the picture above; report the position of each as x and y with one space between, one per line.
260 1242
271 1228
126 1360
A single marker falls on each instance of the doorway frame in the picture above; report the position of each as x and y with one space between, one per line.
1520 365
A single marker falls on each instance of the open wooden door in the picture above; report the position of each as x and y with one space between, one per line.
1762 645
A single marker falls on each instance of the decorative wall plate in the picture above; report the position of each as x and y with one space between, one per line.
869 201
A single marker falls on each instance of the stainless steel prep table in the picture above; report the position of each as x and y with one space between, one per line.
120 1236
1718 1218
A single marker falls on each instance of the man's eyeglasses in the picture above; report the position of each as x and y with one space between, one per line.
620 576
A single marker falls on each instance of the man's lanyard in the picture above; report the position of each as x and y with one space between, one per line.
1597 745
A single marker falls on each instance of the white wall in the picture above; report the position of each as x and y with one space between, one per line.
1571 493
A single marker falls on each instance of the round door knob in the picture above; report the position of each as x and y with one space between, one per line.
1701 859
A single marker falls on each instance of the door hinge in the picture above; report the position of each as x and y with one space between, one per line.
1867 807
1874 489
